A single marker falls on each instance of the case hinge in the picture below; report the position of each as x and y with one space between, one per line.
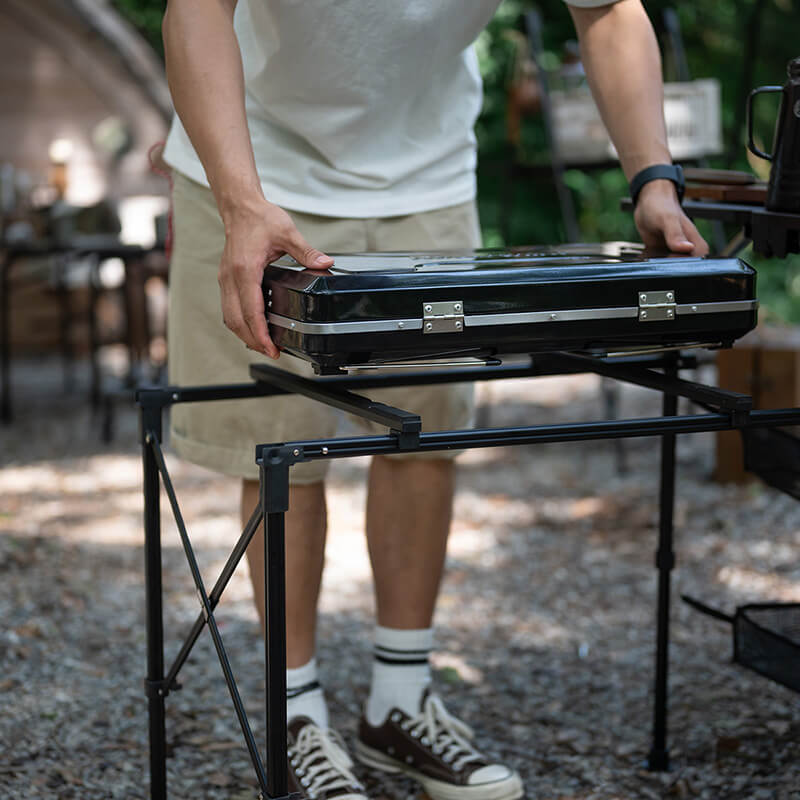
443 317
657 306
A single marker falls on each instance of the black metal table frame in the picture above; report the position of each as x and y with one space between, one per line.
725 411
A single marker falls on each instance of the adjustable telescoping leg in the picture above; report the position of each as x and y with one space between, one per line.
658 759
275 501
154 684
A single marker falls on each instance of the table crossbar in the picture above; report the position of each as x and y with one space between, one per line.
214 597
208 614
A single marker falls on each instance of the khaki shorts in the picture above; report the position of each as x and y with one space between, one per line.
223 435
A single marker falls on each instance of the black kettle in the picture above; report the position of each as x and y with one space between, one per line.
783 192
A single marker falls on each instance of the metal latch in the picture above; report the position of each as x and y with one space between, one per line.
443 317
657 306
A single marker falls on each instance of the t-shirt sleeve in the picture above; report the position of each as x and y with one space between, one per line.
590 3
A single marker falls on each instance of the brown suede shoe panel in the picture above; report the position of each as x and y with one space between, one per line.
393 740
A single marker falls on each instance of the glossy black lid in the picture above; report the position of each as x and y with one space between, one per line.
545 266
461 260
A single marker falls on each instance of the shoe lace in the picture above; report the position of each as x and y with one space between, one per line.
321 762
446 735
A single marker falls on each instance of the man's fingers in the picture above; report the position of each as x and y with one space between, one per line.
255 238
662 222
246 319
251 300
308 256
693 235
675 238
232 313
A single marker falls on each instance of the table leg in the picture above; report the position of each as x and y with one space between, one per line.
275 501
5 341
658 759
154 684
65 323
95 393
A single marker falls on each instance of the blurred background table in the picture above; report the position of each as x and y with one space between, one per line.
71 270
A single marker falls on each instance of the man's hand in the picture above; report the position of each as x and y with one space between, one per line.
204 69
662 223
620 53
257 233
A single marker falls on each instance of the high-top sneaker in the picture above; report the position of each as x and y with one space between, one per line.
435 748
319 767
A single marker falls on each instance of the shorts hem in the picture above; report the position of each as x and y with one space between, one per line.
231 461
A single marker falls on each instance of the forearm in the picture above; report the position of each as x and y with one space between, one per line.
204 71
623 67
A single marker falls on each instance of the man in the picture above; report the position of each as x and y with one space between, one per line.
348 126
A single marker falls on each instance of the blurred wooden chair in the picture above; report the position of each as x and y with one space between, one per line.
575 136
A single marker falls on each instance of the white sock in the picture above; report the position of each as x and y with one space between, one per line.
304 697
400 672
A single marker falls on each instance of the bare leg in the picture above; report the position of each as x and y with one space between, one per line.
305 553
408 519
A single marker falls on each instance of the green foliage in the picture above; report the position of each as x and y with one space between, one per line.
145 15
716 37
778 287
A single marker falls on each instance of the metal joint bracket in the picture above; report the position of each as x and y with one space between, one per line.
447 317
274 463
740 418
280 455
155 397
160 688
657 306
406 440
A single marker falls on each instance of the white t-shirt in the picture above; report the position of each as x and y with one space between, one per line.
359 108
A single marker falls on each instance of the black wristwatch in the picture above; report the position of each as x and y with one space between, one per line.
670 172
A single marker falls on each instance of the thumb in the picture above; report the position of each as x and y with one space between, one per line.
305 254
675 238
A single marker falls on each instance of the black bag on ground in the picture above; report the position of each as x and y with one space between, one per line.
766 638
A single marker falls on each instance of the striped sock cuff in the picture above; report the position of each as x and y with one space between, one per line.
304 696
296 691
402 647
400 657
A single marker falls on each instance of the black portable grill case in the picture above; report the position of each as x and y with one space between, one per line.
373 308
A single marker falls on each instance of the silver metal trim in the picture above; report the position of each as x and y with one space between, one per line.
322 328
565 315
456 362
717 308
517 318
640 351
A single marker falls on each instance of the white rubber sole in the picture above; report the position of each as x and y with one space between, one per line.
508 789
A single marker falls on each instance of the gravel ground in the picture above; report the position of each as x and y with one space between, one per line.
545 625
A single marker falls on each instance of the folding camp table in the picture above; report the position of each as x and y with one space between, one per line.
724 410
652 305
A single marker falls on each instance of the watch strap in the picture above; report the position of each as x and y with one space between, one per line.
670 172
